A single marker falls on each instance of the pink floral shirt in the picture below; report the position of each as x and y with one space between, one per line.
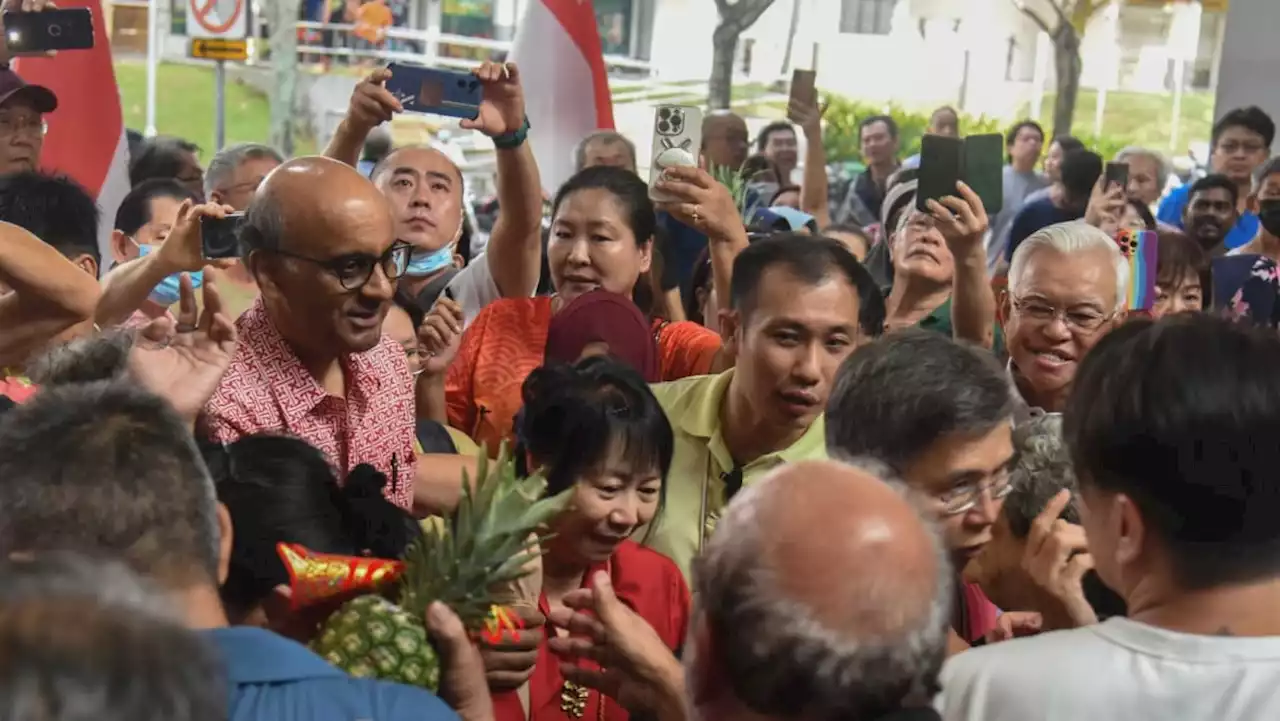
267 389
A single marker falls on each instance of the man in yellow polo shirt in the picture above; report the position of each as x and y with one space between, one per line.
798 307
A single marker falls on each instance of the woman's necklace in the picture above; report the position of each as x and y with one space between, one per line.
574 697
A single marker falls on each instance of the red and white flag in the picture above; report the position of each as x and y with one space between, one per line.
566 87
86 139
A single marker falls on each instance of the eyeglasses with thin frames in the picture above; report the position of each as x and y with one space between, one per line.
963 499
1083 320
354 270
15 124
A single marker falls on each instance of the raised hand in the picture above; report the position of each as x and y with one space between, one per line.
702 203
185 364
183 250
634 666
502 110
1056 558
371 103
962 220
21 6
440 335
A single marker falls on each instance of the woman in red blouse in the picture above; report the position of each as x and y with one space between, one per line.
595 427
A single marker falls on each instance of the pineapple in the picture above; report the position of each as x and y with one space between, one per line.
474 562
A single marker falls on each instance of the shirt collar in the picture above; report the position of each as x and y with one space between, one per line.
257 656
1023 411
703 421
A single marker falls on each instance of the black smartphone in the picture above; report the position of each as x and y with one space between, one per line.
940 166
435 92
1116 174
984 169
220 237
39 32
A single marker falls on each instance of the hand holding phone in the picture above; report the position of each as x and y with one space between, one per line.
1117 175
803 102
431 91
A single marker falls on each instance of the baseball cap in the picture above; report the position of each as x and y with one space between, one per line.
12 85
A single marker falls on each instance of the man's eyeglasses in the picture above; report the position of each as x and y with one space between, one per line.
14 124
1086 320
354 270
962 499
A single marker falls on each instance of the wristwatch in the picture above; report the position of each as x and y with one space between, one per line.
513 139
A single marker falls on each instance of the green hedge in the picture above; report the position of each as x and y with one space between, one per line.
840 134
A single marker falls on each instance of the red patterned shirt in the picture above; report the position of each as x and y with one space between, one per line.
267 389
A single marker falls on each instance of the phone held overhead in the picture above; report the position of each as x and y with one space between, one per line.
977 160
48 30
431 91
677 140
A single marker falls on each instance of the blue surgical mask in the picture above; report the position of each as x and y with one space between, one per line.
168 291
421 263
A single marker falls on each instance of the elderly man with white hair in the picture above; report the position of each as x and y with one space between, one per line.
1148 173
823 594
1067 288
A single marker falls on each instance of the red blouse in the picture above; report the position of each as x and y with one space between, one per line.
648 582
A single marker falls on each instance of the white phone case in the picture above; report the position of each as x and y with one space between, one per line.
677 140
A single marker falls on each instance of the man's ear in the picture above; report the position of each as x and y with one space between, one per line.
86 263
1004 309
122 248
216 196
730 325
225 537
1252 204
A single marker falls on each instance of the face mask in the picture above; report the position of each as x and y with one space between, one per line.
421 264
1269 215
168 291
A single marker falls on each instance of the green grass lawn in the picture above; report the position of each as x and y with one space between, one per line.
1141 118
184 105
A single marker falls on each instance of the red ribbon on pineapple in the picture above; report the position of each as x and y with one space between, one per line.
316 578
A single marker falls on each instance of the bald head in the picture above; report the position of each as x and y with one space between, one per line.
825 563
312 197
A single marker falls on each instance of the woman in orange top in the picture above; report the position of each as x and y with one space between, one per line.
601 239
595 427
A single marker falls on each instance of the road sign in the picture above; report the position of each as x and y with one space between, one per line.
219 49
217 19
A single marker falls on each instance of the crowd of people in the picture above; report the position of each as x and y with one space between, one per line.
862 459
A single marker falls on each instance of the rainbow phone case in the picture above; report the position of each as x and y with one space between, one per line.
1141 248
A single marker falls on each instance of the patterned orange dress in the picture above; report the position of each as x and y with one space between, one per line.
509 339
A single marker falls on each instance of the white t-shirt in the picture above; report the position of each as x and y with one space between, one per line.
474 288
1120 670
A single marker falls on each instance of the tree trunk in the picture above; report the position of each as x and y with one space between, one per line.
724 43
791 36
734 20
284 67
1067 67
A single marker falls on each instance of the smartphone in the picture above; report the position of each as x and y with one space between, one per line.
1116 174
677 141
435 92
48 30
804 91
941 159
220 237
984 170
1141 248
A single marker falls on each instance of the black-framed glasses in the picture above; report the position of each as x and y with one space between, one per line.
354 270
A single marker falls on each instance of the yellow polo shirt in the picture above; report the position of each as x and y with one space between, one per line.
695 487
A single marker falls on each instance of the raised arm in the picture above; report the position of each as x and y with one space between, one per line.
47 294
963 223
514 252
371 105
813 190
129 285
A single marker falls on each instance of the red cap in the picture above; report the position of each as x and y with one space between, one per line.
12 85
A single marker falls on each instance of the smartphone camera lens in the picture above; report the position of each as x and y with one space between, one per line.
664 127
55 31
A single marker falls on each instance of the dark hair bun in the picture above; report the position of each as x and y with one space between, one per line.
374 523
